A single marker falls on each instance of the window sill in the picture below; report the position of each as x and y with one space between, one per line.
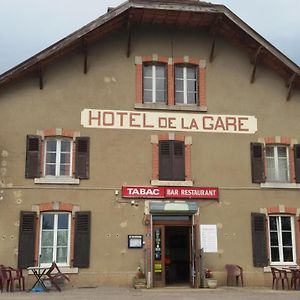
171 183
65 270
178 107
56 180
280 185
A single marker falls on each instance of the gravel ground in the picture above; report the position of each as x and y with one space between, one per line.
118 293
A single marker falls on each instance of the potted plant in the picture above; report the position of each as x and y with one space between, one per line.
210 282
139 280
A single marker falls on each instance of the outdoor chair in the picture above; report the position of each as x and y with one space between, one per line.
279 276
295 278
8 276
4 279
54 275
234 272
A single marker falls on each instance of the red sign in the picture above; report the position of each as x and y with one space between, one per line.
154 192
143 192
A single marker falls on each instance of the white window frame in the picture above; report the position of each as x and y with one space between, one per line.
280 246
58 156
154 77
185 80
55 229
276 165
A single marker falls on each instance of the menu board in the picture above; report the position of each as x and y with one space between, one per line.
208 238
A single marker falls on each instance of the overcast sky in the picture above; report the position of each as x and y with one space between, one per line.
29 26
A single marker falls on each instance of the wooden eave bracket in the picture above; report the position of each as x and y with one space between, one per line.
41 78
85 54
254 61
213 33
129 27
291 85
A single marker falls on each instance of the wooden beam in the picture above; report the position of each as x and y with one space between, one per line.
85 54
129 27
213 33
290 86
254 61
41 80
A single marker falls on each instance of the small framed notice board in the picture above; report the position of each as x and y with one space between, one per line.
135 241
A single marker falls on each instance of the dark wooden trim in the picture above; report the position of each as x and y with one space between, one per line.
254 61
290 86
129 27
85 53
41 79
213 32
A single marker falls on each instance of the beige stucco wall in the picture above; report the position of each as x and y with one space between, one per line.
124 156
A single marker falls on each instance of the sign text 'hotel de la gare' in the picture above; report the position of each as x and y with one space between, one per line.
193 122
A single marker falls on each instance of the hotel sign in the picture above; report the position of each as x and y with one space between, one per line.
192 122
153 192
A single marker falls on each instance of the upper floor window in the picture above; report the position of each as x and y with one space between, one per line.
154 83
277 161
186 84
55 238
58 157
171 160
282 239
273 164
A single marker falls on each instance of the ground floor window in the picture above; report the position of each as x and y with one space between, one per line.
55 238
282 239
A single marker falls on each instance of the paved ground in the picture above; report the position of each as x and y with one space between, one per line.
117 293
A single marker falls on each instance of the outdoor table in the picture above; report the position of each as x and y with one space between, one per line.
38 273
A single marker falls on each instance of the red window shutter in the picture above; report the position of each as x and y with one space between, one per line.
257 163
82 157
26 239
33 156
297 162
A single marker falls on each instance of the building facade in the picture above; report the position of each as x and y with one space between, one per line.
157 130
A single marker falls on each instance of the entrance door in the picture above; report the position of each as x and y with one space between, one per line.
172 251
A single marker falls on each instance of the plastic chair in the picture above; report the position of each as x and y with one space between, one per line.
234 272
54 275
17 275
295 278
279 276
5 278
8 276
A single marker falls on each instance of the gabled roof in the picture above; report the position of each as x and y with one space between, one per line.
217 19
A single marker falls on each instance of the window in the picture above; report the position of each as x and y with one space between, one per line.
277 162
273 165
58 157
55 238
186 84
171 160
154 83
59 239
282 239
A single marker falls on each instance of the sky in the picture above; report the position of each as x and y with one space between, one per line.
29 26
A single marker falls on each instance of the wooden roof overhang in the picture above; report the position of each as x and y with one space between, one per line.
217 19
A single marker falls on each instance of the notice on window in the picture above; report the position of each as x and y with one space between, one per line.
208 238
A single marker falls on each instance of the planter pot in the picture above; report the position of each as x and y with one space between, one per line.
211 283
